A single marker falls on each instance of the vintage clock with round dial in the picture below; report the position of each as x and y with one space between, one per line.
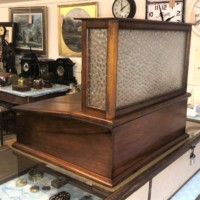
194 16
165 10
64 71
2 31
124 8
29 65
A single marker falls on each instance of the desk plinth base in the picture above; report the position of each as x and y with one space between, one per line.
107 155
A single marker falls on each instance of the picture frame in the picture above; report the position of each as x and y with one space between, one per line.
31 29
69 29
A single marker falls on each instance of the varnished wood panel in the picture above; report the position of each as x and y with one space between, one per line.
139 141
84 145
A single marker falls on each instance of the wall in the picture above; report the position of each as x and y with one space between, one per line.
194 67
105 10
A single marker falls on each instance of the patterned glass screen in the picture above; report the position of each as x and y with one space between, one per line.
97 67
150 64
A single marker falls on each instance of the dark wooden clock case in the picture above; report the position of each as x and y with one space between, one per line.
106 146
32 61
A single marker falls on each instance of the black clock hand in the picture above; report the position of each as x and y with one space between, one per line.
121 3
161 14
168 19
124 7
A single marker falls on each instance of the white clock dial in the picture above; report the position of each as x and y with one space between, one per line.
121 8
163 12
26 67
195 16
2 30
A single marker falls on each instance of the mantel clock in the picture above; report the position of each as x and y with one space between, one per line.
162 10
29 65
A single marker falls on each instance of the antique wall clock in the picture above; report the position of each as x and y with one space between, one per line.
194 16
165 10
124 8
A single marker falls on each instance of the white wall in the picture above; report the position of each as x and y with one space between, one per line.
105 10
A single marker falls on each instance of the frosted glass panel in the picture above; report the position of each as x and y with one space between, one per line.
97 65
150 64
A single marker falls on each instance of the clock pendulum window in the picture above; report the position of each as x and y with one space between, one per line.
124 8
194 16
165 10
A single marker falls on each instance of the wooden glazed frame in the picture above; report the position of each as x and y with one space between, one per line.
113 27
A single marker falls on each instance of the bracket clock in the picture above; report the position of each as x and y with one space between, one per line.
64 71
29 65
163 10
46 66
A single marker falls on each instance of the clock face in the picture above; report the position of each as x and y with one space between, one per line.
161 11
2 31
195 16
60 70
124 8
26 67
43 69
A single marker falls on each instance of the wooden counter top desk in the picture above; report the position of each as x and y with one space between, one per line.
132 108
12 97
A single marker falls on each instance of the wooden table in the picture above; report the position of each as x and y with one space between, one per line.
15 97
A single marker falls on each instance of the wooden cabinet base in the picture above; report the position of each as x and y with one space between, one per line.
104 151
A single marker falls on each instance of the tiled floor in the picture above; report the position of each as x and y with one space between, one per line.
190 190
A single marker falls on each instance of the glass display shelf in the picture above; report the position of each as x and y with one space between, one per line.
22 178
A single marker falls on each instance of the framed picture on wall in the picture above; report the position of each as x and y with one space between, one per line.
31 29
69 29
